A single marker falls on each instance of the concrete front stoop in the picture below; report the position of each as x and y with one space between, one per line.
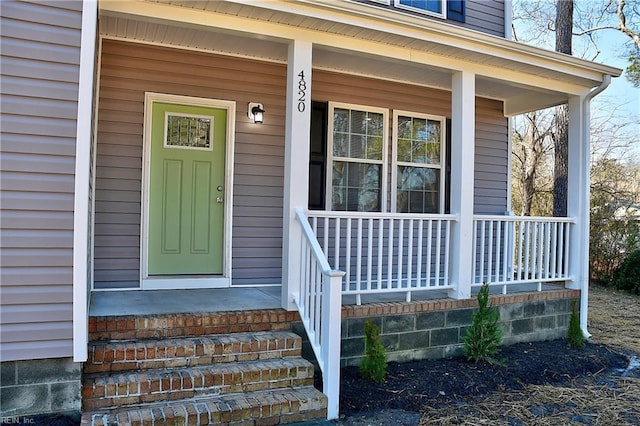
244 377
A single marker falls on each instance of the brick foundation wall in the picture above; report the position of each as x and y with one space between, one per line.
40 386
434 329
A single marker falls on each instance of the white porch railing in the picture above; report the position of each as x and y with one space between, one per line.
386 252
319 303
520 249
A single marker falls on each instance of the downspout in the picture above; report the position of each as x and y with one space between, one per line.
508 20
586 140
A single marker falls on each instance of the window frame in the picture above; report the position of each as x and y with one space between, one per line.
443 8
384 162
395 163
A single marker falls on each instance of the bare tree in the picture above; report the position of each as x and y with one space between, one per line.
617 15
532 149
564 37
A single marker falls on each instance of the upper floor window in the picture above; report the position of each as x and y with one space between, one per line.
450 9
434 7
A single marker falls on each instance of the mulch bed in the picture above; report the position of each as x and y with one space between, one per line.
411 386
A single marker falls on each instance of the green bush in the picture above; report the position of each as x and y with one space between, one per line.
374 364
483 338
574 334
627 275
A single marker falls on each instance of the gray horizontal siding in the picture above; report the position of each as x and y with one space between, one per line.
491 158
486 16
128 71
40 48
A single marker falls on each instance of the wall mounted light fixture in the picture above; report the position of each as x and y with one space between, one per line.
256 112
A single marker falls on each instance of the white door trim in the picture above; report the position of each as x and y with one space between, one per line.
178 281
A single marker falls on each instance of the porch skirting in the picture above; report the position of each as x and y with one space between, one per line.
434 329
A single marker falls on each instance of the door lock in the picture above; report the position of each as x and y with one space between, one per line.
220 188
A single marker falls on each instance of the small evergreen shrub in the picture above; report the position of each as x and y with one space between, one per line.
483 338
374 364
627 276
574 334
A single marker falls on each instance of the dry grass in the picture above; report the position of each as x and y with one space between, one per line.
614 319
616 402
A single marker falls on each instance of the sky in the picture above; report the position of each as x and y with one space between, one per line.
621 94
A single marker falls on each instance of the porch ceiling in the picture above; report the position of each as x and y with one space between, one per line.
422 51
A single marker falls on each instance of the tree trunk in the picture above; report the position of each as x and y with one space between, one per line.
564 29
561 164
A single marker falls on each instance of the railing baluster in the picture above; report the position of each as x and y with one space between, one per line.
419 255
429 245
567 247
547 246
490 251
554 251
359 260
409 259
482 247
506 246
499 250
400 248
446 252
325 237
347 255
390 256
438 250
336 241
369 252
380 251
527 248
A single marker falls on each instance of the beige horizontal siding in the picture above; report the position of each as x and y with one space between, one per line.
128 71
40 53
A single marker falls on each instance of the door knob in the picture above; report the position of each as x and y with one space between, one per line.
219 200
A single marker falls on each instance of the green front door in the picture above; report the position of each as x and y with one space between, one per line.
186 190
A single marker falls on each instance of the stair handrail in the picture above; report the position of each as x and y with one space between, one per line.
319 302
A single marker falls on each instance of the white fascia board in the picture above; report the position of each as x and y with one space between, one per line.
472 40
397 23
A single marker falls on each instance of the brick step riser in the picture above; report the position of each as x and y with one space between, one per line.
287 406
132 389
133 356
131 327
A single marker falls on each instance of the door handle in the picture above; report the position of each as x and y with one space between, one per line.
220 200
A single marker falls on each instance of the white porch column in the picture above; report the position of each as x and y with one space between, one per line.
578 204
296 163
462 181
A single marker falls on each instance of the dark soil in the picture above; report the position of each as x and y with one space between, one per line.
410 386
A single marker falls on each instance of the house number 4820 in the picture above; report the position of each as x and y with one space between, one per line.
302 92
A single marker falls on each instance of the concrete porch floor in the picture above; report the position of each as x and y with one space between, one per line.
149 302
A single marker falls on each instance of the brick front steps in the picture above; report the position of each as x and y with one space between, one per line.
247 377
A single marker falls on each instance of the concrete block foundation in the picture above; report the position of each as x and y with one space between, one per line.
41 386
435 328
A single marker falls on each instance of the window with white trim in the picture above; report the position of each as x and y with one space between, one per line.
418 176
430 7
357 142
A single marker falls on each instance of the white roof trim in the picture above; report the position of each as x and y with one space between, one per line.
359 14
